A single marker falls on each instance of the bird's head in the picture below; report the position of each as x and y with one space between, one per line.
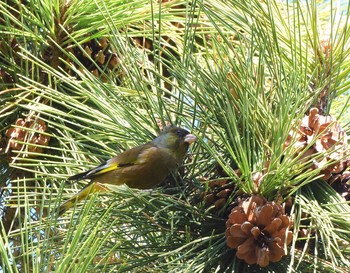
176 139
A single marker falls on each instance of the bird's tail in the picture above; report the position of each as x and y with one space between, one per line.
83 194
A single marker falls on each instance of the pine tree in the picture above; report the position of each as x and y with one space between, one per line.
262 84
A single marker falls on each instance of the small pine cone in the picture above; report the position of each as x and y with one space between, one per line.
257 229
217 198
18 134
220 190
218 193
103 57
321 134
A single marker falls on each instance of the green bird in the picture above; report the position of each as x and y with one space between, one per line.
141 167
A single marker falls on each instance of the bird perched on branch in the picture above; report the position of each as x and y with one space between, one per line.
141 167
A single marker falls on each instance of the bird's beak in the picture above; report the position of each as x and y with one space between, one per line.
190 139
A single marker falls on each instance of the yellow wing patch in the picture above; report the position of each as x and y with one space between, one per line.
107 169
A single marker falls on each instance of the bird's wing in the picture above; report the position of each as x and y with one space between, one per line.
127 158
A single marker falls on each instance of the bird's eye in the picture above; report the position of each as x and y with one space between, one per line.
178 132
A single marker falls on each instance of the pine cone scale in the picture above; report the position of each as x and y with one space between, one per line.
261 237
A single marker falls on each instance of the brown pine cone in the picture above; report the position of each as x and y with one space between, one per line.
218 193
101 53
258 230
18 134
321 134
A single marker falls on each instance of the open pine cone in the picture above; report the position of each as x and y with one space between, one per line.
258 230
17 135
321 134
